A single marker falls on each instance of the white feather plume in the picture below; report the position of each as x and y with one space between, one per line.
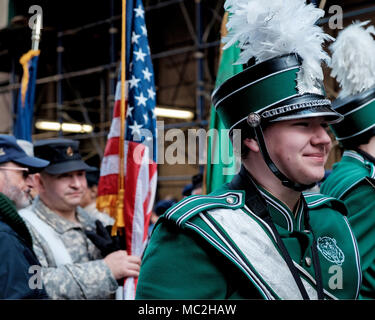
268 28
353 59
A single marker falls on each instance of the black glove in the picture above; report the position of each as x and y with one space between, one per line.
103 240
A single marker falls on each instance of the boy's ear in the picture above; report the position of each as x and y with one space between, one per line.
252 144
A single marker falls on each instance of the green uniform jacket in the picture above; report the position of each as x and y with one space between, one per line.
351 180
214 247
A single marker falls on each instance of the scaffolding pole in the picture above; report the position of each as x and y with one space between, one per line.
59 93
13 91
199 55
200 105
112 60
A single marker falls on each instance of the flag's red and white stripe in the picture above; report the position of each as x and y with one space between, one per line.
140 180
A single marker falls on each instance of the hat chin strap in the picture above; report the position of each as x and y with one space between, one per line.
267 159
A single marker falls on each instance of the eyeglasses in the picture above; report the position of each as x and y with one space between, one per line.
25 171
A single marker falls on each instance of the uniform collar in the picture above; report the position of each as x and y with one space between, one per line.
58 223
359 157
281 214
366 155
352 155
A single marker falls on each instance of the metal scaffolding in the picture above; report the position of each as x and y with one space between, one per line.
199 43
199 46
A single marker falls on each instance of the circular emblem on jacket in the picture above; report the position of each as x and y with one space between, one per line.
330 250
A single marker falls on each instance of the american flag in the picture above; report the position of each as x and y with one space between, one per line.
140 168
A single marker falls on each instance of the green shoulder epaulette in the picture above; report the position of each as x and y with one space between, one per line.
193 205
318 200
347 173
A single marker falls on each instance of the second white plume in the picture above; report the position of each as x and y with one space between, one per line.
353 59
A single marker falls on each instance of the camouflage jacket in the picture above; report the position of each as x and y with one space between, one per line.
95 214
88 277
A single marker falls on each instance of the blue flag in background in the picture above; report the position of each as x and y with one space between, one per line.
25 106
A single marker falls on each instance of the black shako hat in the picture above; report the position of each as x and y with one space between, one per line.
63 155
286 81
270 91
352 65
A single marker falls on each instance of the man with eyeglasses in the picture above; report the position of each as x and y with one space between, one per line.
17 256
28 147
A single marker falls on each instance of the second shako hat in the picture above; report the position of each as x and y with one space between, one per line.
286 81
353 66
63 155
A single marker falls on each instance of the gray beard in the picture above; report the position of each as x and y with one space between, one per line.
20 198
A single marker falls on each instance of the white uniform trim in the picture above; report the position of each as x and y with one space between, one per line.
280 208
269 106
358 157
358 261
188 200
354 155
359 108
303 271
234 257
356 134
258 248
254 82
58 249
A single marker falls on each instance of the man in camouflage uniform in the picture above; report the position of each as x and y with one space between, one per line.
72 266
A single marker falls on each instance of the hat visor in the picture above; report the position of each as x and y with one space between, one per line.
33 163
67 166
330 115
